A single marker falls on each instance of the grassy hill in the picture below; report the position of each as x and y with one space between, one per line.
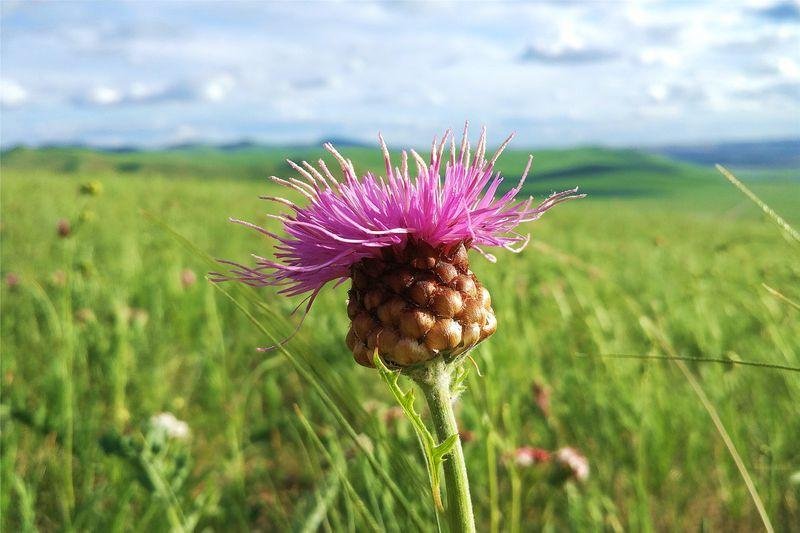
112 324
600 172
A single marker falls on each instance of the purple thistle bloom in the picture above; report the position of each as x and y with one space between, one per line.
351 219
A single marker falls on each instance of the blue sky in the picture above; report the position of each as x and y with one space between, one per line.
558 73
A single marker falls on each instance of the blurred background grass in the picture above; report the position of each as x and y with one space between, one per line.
114 323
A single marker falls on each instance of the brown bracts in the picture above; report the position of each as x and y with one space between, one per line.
415 303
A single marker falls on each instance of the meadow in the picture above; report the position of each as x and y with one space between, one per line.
110 321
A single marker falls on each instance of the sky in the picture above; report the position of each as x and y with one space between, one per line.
151 73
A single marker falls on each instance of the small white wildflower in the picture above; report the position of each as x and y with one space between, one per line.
170 425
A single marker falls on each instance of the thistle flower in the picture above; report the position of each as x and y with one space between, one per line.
573 462
403 243
528 456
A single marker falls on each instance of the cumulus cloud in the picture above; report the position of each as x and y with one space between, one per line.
568 46
660 57
214 89
528 65
12 94
662 93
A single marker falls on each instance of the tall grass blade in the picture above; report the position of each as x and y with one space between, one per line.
760 203
720 360
339 469
301 369
333 409
779 295
712 412
657 334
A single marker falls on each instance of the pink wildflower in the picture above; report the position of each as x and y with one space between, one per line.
573 461
447 202
528 456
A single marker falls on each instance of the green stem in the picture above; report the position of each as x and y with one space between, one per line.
435 385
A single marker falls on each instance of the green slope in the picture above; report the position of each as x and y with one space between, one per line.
600 172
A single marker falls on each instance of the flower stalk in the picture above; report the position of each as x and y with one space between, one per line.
435 382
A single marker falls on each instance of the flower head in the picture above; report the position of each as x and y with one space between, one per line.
527 456
171 426
403 242
347 220
574 462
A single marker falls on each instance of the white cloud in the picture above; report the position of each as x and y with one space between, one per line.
555 72
103 96
661 93
215 89
569 45
218 88
788 68
660 56
12 94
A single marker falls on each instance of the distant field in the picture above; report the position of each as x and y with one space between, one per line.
103 329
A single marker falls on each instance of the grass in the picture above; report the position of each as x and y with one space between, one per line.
664 259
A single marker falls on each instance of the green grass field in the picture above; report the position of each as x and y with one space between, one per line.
102 330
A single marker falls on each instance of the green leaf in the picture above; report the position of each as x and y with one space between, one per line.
434 453
445 447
